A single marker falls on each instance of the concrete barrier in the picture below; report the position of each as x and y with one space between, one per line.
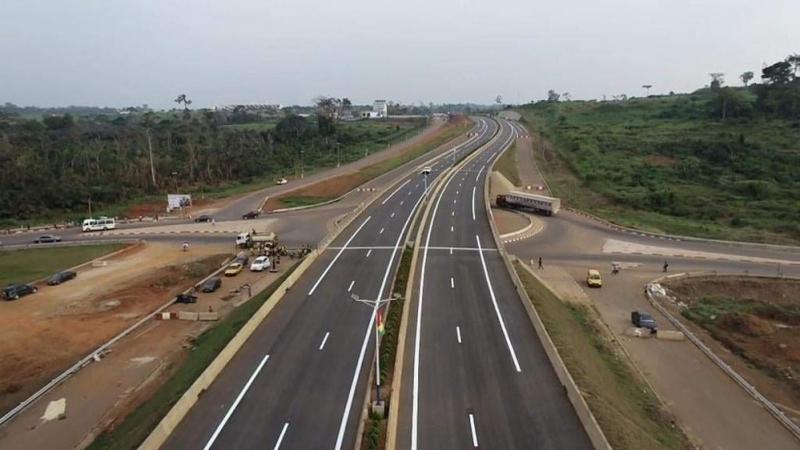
587 419
208 316
187 315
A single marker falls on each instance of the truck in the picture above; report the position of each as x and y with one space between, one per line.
261 243
522 200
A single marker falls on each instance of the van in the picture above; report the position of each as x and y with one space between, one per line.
593 278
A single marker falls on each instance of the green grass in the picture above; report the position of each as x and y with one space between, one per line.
507 165
135 428
629 413
664 164
303 200
24 266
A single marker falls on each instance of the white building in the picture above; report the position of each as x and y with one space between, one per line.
380 110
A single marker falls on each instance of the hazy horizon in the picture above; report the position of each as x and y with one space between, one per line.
118 53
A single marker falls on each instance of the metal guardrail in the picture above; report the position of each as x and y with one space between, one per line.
740 380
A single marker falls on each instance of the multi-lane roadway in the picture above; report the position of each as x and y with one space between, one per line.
300 380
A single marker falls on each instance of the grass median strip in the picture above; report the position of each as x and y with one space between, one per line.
135 428
24 266
507 165
629 413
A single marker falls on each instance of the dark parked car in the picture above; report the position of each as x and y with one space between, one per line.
242 259
204 218
644 320
15 291
61 277
251 215
211 285
47 239
186 298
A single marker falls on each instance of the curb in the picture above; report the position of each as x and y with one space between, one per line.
738 379
587 419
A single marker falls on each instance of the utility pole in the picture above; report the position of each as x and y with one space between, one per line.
150 148
90 208
338 154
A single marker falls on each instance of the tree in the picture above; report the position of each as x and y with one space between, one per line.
746 77
778 73
728 103
553 96
794 60
567 97
717 78
498 99
182 99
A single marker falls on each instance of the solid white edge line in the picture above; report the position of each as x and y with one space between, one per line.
368 331
474 433
479 173
418 331
473 202
497 308
324 340
235 403
395 192
280 438
319 280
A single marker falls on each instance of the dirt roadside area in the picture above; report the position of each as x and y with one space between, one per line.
752 323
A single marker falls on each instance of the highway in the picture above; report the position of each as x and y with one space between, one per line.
474 372
300 380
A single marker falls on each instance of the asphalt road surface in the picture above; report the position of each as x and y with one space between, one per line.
475 374
300 380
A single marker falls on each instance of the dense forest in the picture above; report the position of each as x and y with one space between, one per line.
53 166
720 162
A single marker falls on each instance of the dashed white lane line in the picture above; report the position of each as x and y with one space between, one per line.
319 280
452 283
454 201
473 202
324 340
458 333
497 308
472 428
451 250
350 288
391 215
381 232
369 252
235 403
401 202
280 438
395 191
451 228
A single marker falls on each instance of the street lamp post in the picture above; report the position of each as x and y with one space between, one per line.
376 305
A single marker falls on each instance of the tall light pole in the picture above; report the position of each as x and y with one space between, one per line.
647 88
376 305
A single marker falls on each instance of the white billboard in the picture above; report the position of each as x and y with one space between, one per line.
178 201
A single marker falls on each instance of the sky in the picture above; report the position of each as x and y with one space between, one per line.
131 52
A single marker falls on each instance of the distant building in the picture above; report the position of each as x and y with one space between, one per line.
379 110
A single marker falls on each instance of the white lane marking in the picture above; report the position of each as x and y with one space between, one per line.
369 252
368 331
451 250
280 438
391 215
395 191
453 214
418 331
472 428
409 192
456 191
454 201
452 283
451 228
473 202
401 202
235 403
350 288
458 333
416 185
479 173
381 232
324 340
314 288
497 308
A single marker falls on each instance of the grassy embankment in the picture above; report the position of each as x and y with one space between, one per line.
24 266
134 429
629 413
507 165
664 164
335 187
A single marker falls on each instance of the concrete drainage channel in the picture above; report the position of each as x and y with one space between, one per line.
654 291
95 355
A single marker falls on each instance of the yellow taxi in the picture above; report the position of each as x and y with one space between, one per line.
593 278
234 269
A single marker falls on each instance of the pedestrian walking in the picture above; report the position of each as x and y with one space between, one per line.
666 266
540 263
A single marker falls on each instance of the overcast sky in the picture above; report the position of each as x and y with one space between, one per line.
130 52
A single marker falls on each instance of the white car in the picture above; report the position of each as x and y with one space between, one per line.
259 264
281 181
426 170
